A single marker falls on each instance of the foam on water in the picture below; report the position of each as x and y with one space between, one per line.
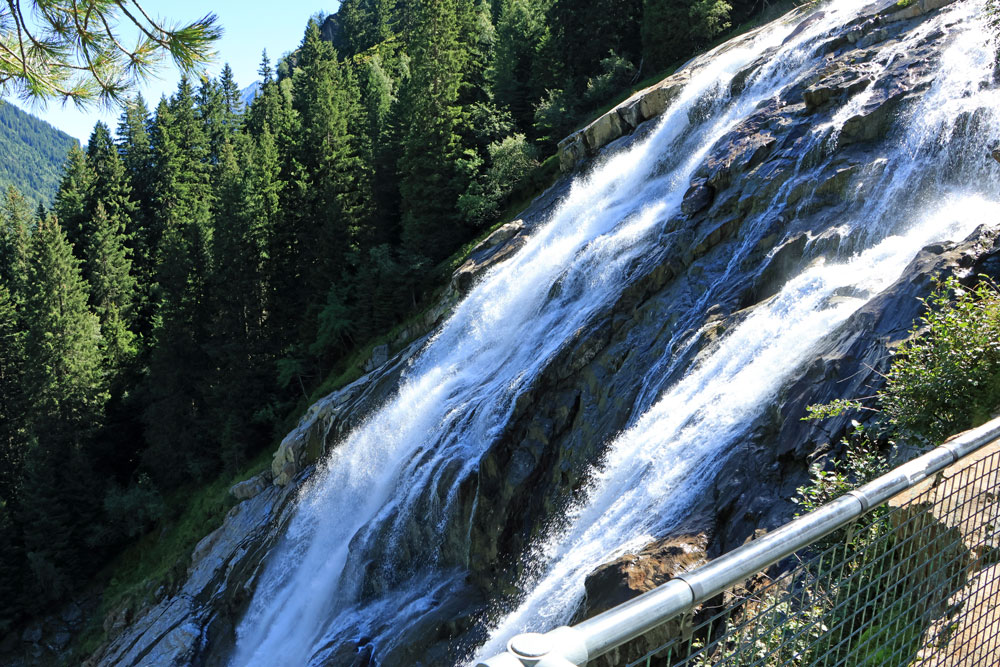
459 391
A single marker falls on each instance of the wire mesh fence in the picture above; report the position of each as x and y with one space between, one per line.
915 581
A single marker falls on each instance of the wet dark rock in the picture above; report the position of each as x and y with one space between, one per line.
697 199
32 634
841 81
497 247
770 170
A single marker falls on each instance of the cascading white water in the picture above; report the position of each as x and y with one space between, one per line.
460 390
657 468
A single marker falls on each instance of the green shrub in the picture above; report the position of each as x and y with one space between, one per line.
616 73
947 377
555 114
512 160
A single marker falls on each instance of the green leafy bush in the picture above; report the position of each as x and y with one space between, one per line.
947 377
616 73
555 114
512 160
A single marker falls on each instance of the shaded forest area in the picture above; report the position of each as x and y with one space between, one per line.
33 152
201 273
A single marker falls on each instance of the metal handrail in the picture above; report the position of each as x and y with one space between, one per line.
574 646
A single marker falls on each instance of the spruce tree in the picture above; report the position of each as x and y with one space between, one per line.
356 27
15 233
13 445
135 151
246 205
520 31
174 414
12 397
589 30
70 206
66 383
12 569
65 379
331 184
111 186
112 287
107 258
673 29
231 97
380 106
431 178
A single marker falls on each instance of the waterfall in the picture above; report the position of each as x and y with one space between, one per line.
391 486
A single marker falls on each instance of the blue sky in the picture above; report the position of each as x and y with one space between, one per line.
249 28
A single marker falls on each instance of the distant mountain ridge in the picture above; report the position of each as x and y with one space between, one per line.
33 153
248 94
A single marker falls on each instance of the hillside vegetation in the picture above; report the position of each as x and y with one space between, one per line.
33 154
201 274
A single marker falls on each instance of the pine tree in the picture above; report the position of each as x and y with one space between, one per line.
66 384
431 178
520 31
70 206
174 414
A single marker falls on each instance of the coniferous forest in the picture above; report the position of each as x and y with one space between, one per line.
32 153
205 267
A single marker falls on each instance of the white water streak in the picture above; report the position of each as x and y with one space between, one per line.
658 467
460 390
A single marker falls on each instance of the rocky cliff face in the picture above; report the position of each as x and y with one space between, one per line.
768 191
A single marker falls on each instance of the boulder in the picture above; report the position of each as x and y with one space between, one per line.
572 151
631 575
697 198
656 99
604 130
252 487
635 573
379 357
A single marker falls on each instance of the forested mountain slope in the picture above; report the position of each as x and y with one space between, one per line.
33 153
210 269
